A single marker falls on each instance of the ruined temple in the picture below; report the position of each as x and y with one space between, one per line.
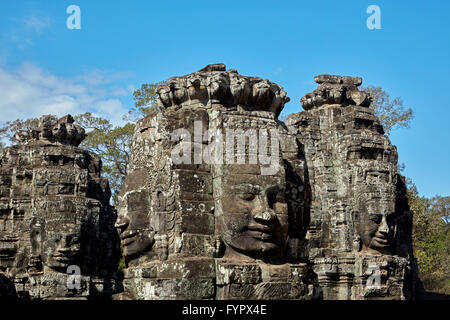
55 217
221 201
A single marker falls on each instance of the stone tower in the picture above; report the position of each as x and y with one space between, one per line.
360 223
55 217
206 210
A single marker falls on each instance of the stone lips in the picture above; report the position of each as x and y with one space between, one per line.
213 84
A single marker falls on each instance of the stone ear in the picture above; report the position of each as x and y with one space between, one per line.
219 247
357 243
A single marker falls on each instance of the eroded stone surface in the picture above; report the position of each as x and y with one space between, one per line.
214 84
335 90
52 130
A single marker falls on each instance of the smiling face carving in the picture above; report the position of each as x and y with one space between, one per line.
136 236
63 245
376 226
133 222
254 217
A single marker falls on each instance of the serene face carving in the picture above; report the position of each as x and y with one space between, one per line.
135 234
376 227
62 245
254 219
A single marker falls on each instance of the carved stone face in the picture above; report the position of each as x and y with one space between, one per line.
376 226
136 236
62 245
254 218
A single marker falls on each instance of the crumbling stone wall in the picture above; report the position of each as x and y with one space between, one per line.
55 213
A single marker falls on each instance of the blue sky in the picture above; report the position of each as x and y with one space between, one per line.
47 68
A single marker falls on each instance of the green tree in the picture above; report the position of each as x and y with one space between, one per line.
440 206
392 113
8 130
431 240
112 144
145 102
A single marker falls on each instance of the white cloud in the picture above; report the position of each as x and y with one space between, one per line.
98 77
111 109
37 23
26 30
119 92
31 92
2 59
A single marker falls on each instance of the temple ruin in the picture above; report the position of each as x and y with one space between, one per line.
222 200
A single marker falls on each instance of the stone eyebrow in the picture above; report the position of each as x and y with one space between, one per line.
376 214
390 214
247 187
275 189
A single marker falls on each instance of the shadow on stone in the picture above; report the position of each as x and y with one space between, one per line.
7 289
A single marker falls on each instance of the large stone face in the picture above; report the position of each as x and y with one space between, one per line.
204 213
54 214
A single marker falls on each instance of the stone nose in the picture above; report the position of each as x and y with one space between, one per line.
264 216
384 227
64 244
122 223
262 212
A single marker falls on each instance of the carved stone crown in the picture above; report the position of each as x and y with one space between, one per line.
215 84
335 90
52 130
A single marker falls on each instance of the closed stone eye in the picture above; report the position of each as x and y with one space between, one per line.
376 218
246 196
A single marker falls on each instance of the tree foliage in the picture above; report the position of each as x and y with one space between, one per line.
392 113
431 239
145 102
112 144
440 207
8 130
